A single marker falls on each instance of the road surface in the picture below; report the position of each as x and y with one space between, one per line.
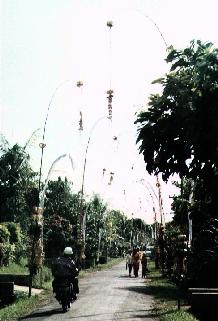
108 295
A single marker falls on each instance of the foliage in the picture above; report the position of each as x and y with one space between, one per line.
60 217
108 232
59 199
42 278
58 235
4 234
115 222
14 268
203 258
16 177
4 245
178 133
166 297
95 211
11 242
15 232
20 251
19 194
181 204
172 230
6 253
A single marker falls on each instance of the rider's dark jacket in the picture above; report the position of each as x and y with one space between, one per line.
64 267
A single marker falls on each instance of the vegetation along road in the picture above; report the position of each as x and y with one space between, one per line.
104 295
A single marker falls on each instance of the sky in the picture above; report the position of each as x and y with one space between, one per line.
47 46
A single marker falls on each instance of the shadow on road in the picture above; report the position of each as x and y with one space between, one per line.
157 291
42 314
139 314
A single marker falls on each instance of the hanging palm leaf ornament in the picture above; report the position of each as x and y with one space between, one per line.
79 85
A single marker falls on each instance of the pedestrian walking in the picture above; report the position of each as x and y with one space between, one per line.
129 262
144 263
136 261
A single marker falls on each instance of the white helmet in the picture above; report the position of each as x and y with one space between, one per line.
68 251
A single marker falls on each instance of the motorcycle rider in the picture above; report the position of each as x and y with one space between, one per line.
64 270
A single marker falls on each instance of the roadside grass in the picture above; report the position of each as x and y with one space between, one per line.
23 305
14 268
166 296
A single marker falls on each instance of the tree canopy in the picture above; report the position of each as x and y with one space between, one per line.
16 179
179 133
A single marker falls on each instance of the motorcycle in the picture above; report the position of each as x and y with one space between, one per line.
64 294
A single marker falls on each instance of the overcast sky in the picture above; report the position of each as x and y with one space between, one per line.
47 46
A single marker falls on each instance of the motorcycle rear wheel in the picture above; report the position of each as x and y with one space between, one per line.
64 306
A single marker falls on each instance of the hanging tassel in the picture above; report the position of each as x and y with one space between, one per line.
109 97
110 24
79 84
81 121
111 178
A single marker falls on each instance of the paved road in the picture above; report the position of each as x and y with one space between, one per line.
108 295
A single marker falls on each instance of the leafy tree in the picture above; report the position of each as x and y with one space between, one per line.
58 235
4 234
181 204
140 233
60 217
10 238
178 133
16 178
95 211
15 232
60 200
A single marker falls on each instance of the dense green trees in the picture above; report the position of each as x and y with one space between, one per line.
60 217
11 243
59 199
178 134
16 179
107 232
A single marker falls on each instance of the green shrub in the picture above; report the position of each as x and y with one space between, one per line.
15 232
8 253
21 250
4 234
43 276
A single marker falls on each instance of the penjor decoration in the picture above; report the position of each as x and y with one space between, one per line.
110 91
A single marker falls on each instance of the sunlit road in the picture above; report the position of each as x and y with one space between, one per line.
108 295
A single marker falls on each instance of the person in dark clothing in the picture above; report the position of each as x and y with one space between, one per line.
129 262
64 270
144 263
